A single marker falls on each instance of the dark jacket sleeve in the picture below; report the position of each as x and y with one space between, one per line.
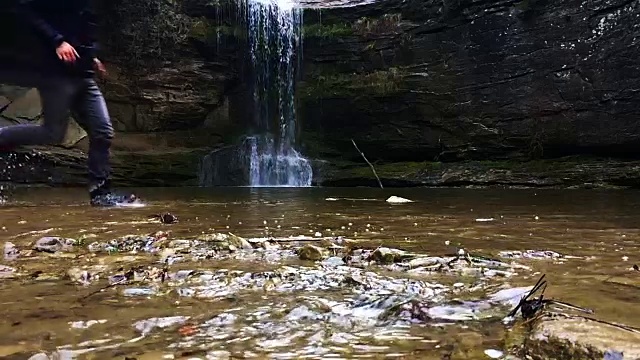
25 10
90 22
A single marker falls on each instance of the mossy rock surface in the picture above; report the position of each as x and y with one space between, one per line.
571 338
582 339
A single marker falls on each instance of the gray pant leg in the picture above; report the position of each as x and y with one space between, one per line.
90 110
56 94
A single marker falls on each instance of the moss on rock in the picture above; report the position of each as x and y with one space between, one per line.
377 83
560 337
364 26
327 31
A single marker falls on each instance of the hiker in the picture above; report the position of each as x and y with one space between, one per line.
51 46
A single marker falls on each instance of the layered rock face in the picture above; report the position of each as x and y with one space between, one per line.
452 92
453 81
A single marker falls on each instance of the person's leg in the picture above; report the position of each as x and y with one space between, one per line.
91 112
56 95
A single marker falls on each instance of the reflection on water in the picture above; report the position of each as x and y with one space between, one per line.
599 228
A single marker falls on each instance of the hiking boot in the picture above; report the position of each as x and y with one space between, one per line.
111 199
101 195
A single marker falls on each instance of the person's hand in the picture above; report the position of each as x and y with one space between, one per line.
98 66
66 52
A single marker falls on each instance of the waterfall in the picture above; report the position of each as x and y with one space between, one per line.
274 31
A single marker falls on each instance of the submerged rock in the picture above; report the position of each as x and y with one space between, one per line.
164 218
139 292
86 274
146 326
53 244
6 271
384 255
10 252
579 338
530 254
130 243
219 241
311 252
86 324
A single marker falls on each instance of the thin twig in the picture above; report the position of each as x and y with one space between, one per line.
370 165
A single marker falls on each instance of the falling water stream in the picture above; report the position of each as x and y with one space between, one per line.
274 36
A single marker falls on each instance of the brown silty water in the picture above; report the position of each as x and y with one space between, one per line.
46 304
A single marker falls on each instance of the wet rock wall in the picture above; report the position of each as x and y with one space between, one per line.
437 93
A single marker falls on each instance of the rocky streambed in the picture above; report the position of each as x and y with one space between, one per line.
221 296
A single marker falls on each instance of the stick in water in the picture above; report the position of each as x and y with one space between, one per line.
370 165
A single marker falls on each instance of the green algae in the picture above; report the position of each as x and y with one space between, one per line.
364 27
377 83
327 31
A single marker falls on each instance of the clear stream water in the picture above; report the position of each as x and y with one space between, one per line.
38 308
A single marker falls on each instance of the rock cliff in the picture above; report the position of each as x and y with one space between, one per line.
474 92
449 92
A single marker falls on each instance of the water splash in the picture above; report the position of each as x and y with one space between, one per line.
270 167
274 36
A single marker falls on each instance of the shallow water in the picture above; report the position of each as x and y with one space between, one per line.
599 228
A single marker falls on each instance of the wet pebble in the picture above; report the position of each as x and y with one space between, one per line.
530 254
494 354
384 255
168 218
52 244
85 324
613 355
87 275
333 261
311 252
455 313
398 200
10 252
6 271
148 325
510 296
139 292
129 243
218 355
40 356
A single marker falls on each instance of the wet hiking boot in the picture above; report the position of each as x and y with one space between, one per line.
101 195
111 199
